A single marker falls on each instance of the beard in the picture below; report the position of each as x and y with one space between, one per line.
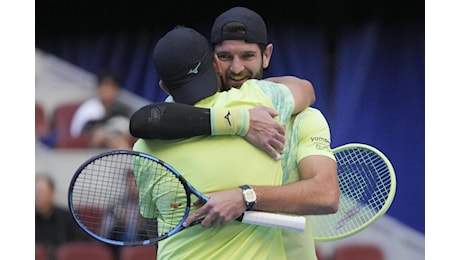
231 80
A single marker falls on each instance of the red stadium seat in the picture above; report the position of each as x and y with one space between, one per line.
63 117
319 254
40 252
358 251
84 251
62 120
138 253
41 123
92 217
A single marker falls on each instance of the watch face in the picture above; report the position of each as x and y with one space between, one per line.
249 195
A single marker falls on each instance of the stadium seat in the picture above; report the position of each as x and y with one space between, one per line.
40 252
92 217
41 123
319 254
138 253
84 250
61 125
358 251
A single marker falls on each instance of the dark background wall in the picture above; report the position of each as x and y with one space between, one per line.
366 60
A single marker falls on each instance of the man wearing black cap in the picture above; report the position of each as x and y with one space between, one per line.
231 33
184 60
239 38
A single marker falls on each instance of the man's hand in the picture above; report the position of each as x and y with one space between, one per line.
221 208
265 132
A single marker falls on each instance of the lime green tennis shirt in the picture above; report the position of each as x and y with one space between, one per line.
218 163
307 133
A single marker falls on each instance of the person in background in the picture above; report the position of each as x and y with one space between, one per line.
123 221
54 225
104 117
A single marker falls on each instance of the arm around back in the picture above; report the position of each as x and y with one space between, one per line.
301 89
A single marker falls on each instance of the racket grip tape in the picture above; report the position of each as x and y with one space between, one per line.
296 223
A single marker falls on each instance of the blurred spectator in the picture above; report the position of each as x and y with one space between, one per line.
104 117
122 220
53 225
114 134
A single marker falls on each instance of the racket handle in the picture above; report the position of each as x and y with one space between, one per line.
296 223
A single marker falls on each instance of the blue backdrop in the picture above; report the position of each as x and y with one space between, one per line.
369 78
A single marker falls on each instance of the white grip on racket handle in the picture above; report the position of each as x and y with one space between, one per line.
296 223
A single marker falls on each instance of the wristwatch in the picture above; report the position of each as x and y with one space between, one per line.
249 196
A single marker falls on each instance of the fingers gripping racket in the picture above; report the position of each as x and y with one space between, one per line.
101 182
367 184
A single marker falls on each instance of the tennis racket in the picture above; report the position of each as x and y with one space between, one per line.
100 189
367 184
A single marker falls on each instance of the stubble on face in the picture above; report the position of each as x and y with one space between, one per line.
248 58
231 80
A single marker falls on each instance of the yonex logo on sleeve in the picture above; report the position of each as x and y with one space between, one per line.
194 70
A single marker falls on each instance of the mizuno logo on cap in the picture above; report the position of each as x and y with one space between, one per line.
194 70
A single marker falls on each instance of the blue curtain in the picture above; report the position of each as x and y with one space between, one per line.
379 99
369 82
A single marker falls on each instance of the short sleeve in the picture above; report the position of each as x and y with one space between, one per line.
281 97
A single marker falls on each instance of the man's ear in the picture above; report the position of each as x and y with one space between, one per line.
217 65
219 73
267 55
163 87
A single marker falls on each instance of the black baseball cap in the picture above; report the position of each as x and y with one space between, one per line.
184 61
239 23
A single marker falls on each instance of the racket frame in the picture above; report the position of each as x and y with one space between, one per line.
188 190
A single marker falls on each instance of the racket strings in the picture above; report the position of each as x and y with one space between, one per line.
106 199
364 182
93 191
362 187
